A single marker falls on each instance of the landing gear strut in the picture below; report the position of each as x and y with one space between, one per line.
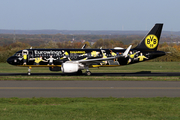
88 73
29 71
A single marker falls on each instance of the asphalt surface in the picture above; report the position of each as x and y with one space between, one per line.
141 73
61 89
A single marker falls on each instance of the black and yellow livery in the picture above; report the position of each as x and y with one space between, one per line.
75 60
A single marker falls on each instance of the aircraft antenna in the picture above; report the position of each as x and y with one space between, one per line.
14 38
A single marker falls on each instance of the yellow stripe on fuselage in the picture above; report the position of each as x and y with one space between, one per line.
39 65
93 66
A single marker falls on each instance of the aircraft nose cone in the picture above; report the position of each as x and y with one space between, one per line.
11 59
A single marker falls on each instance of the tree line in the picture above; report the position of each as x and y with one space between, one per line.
7 50
38 39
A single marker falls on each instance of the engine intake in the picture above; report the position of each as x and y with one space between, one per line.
71 67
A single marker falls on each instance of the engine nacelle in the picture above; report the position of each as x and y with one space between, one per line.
71 67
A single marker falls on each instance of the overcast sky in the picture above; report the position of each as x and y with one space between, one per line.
89 14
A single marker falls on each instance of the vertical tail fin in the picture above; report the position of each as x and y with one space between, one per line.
151 40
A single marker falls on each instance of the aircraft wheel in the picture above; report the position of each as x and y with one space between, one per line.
88 73
29 73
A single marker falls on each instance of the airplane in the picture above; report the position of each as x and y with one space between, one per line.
76 60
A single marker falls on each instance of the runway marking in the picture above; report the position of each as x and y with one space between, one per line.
89 88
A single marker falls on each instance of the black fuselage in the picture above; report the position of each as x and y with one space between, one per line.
59 56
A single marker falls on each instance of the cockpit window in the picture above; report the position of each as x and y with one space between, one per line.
19 53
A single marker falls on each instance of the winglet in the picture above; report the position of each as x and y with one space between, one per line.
127 51
84 46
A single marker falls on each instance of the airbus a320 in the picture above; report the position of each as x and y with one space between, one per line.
76 60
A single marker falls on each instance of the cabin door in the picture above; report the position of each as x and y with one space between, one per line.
31 54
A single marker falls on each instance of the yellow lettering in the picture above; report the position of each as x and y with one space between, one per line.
80 52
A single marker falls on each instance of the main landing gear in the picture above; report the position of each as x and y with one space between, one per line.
79 72
88 73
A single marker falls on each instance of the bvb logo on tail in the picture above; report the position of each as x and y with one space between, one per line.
151 41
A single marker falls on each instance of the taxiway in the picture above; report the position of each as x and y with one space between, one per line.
61 89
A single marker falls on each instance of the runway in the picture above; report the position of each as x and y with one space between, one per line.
141 73
61 89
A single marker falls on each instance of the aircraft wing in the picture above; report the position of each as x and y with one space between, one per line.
98 60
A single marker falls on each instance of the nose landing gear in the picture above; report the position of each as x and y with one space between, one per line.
29 71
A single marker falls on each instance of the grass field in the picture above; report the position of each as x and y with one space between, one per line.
90 108
144 66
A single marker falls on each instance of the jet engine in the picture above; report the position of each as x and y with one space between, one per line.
71 67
